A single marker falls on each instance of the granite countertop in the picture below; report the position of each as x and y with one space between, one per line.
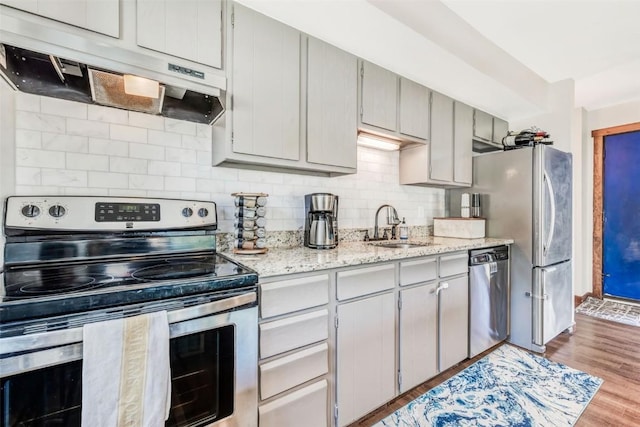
289 260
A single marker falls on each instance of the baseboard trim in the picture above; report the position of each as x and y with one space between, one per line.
577 300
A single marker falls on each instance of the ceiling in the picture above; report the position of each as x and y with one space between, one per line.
497 55
596 43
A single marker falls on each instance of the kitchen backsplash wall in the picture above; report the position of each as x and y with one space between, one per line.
69 148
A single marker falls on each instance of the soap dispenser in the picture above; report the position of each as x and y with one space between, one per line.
404 230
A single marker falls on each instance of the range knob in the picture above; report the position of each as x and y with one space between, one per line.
203 212
30 211
57 211
187 212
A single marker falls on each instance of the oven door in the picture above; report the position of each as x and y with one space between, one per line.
214 359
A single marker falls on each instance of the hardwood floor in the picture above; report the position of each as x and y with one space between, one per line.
602 348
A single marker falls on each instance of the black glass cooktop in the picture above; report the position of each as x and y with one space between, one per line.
74 287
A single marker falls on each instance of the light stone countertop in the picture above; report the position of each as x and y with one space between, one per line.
290 260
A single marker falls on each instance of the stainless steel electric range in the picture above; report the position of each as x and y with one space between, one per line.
75 260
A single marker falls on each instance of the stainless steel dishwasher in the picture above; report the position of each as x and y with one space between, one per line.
489 296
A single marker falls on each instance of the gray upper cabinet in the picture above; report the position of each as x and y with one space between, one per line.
266 86
292 100
414 109
482 126
462 144
392 105
379 97
446 161
500 130
441 142
332 90
99 16
187 29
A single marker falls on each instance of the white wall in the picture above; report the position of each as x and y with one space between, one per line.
564 123
65 147
7 149
616 115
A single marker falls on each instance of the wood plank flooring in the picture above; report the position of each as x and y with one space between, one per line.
602 348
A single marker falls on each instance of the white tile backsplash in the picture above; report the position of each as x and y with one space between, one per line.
87 128
107 115
62 107
128 133
119 153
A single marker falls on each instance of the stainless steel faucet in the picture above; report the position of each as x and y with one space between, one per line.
392 219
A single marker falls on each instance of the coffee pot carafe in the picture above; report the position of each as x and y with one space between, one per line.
321 221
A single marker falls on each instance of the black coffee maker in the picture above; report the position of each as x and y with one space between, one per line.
321 221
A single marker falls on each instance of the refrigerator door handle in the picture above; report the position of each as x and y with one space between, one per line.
552 226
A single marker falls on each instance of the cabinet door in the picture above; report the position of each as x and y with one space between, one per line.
332 105
379 97
187 29
414 109
453 311
500 130
462 143
441 141
99 16
365 356
418 335
266 86
308 404
482 125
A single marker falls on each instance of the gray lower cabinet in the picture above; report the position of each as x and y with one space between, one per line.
294 351
418 337
433 318
365 341
453 310
366 374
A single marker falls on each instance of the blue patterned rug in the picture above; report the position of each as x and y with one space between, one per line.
508 387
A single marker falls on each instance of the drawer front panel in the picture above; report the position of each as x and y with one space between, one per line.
451 265
307 407
293 332
287 296
365 281
419 271
292 370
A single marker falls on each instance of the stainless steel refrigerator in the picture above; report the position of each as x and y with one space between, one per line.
526 194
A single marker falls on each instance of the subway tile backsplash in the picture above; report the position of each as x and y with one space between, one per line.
69 148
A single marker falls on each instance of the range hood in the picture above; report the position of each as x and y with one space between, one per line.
41 73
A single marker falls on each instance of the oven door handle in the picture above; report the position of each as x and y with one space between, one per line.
40 340
212 307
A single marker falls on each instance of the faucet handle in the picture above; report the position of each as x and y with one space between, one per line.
366 235
385 236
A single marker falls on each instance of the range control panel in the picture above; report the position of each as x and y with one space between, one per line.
119 212
107 213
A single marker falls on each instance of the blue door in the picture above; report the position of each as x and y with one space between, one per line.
621 203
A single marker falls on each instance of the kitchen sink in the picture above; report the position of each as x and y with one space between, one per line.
399 245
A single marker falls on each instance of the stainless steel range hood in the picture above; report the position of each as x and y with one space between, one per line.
45 74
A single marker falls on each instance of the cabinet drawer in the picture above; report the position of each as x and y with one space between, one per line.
422 270
292 295
287 334
290 371
365 281
454 264
307 406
